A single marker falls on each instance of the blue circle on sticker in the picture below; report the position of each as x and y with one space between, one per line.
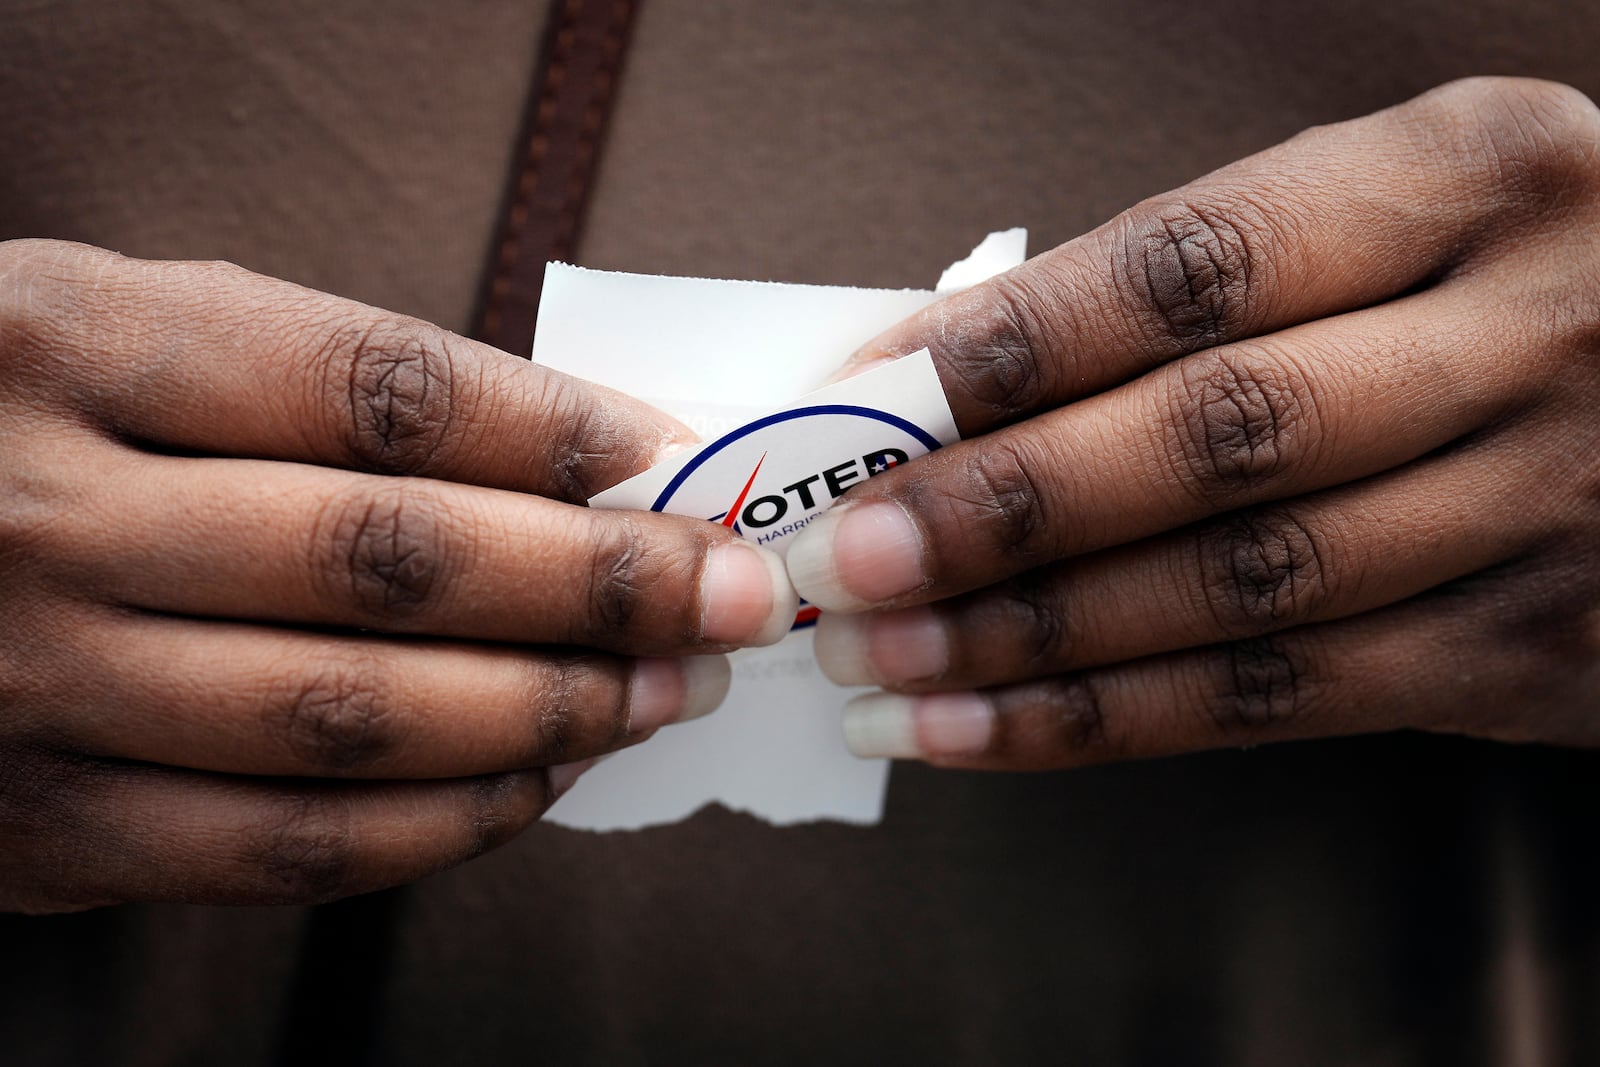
917 433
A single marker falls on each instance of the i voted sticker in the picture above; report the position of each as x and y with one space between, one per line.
772 476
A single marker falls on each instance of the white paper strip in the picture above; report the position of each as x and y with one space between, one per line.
995 254
717 355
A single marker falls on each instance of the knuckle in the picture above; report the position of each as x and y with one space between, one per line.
1054 722
336 720
41 288
995 491
1260 685
1568 311
1260 571
383 552
555 724
584 706
1541 138
998 348
305 849
1186 268
34 506
396 379
617 577
28 257
500 806
1035 619
22 260
1077 720
576 436
1236 423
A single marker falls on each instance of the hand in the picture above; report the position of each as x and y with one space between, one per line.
1308 447
294 598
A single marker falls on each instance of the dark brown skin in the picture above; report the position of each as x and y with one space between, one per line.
295 600
1308 447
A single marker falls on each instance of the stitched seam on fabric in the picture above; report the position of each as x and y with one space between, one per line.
536 148
556 89
594 116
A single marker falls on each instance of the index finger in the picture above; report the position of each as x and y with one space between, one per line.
1335 219
210 358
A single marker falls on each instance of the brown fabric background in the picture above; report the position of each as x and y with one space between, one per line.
1382 901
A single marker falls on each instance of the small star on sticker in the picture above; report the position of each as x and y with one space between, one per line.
879 467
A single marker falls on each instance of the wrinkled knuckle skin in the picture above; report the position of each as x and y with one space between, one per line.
337 722
1055 722
499 811
578 445
574 719
306 852
1261 686
1236 425
1187 272
26 258
396 378
1077 718
995 494
22 261
1261 571
384 548
618 582
553 731
1002 363
579 438
1035 619
556 723
32 507
38 280
1542 138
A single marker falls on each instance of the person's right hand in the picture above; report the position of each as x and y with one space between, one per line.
294 598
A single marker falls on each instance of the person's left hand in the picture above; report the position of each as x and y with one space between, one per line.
1309 447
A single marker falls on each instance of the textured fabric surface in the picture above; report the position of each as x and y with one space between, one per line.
355 147
560 143
1385 901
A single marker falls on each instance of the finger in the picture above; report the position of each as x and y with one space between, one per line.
1416 665
258 700
1314 559
209 358
137 833
295 543
1266 419
1338 218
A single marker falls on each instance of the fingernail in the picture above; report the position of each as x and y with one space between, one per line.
745 595
666 691
562 776
857 555
900 646
889 725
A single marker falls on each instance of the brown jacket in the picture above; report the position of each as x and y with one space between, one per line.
1382 901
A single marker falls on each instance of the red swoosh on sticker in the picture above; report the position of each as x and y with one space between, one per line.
733 512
